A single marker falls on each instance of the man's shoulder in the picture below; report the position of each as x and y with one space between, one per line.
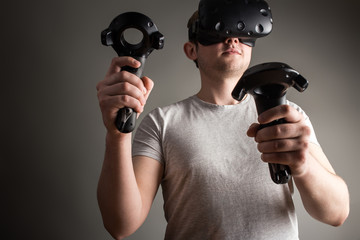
174 107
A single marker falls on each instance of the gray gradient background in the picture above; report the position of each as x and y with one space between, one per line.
52 137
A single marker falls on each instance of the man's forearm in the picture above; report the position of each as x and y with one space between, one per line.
324 194
118 194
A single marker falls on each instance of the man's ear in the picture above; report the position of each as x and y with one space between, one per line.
190 50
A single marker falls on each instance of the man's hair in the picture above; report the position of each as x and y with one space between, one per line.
194 17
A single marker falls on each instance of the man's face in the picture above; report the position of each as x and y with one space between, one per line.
227 57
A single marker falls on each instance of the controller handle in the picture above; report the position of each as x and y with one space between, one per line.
125 120
268 84
266 97
114 36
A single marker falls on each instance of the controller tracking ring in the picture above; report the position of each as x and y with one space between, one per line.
151 39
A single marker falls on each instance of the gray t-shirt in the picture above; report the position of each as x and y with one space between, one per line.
214 185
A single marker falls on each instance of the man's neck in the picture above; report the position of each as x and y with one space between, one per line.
217 91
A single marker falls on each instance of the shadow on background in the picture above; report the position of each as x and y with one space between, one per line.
52 137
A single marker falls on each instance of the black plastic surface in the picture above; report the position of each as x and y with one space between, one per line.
243 19
268 84
151 39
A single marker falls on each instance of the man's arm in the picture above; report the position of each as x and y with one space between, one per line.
324 194
127 186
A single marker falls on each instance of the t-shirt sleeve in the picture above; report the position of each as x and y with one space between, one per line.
313 137
147 140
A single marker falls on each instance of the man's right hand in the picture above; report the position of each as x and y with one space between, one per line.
122 89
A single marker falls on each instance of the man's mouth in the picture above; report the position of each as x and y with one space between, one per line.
232 51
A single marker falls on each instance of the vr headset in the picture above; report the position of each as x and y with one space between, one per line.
218 20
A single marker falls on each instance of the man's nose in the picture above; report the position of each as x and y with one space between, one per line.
232 41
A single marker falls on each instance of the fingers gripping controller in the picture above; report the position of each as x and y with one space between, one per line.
115 36
268 84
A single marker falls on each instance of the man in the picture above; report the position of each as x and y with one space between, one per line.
205 152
